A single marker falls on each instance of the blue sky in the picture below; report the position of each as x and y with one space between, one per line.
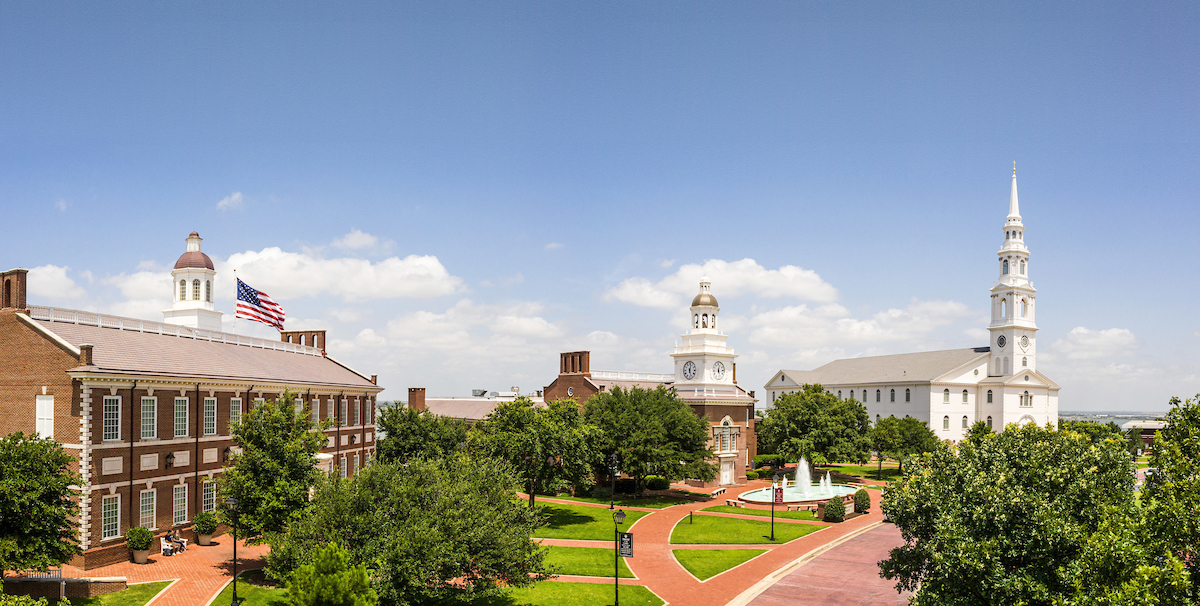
459 191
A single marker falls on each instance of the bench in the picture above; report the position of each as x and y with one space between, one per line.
717 492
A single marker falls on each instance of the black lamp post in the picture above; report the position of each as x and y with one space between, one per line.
613 468
774 481
618 518
232 504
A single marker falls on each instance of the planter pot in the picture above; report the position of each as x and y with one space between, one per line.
204 540
140 556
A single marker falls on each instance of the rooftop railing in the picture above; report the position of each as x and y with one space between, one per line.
619 375
89 318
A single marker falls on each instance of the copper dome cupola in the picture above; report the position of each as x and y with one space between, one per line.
704 297
193 258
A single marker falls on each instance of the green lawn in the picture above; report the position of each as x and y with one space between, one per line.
555 593
582 522
254 590
585 561
716 530
707 563
779 512
135 595
657 501
867 472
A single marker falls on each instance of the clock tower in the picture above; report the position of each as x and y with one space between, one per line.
1013 330
703 358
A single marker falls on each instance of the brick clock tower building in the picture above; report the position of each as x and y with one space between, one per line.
146 406
705 378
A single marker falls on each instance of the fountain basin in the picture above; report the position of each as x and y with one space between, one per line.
792 494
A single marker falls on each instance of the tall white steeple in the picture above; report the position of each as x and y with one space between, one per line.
703 357
1013 330
192 284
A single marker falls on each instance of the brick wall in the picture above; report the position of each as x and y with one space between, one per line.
51 589
32 366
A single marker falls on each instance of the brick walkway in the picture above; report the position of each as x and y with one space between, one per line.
201 571
846 575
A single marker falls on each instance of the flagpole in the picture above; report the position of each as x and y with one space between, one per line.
235 301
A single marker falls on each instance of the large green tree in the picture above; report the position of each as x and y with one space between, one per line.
1172 493
272 474
915 439
331 581
549 446
430 531
1002 520
1095 431
38 506
409 433
815 424
652 431
886 442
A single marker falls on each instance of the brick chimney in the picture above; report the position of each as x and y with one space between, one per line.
312 338
85 354
374 379
575 363
12 289
416 398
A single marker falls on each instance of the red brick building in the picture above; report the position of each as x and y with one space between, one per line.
146 407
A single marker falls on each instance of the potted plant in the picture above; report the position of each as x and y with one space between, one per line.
139 539
205 525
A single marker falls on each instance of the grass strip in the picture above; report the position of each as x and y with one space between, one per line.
779 512
705 564
135 595
254 589
585 561
716 530
582 522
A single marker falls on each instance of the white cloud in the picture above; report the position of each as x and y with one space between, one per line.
61 205
146 294
52 282
292 275
802 327
554 245
728 278
231 202
1086 344
357 240
667 263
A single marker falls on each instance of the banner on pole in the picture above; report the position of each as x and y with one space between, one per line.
626 545
778 495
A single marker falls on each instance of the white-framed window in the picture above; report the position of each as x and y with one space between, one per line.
946 422
358 412
989 422
1024 362
45 416
112 417
343 464
235 411
964 396
989 396
1026 400
839 394
208 291
315 403
877 395
946 396
149 499
965 422
183 290
345 409
110 516
149 418
210 416
208 495
908 395
1005 270
181 417
180 504
893 395
355 464
258 402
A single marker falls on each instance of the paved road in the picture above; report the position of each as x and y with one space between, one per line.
846 575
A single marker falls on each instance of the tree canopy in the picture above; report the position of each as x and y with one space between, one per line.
271 475
38 510
1095 431
409 434
651 431
1172 494
814 423
1002 520
549 447
331 581
429 531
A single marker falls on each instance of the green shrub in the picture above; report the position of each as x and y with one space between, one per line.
626 485
657 483
139 538
835 510
751 475
331 581
205 522
768 459
601 492
862 501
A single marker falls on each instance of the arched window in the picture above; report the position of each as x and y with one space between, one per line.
876 395
1024 361
1026 399
1005 270
208 291
877 419
964 422
989 422
1007 367
964 396
183 290
1022 268
946 396
1004 307
8 293
1007 235
714 321
907 395
989 396
704 321
893 395
696 321
195 290
946 422
1023 308
839 394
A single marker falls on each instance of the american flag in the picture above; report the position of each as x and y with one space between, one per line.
256 305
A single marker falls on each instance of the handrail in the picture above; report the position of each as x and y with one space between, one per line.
620 375
89 318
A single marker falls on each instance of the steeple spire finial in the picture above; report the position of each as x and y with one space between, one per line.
1014 209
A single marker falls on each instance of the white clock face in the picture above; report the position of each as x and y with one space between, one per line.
718 371
689 370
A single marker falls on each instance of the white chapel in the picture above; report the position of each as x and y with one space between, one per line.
952 389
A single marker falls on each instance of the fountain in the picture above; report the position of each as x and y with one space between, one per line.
802 488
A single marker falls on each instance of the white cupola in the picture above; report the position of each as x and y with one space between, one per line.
1013 329
192 283
703 356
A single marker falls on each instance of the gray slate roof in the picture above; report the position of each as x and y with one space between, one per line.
916 367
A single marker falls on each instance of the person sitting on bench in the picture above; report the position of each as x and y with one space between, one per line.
176 542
